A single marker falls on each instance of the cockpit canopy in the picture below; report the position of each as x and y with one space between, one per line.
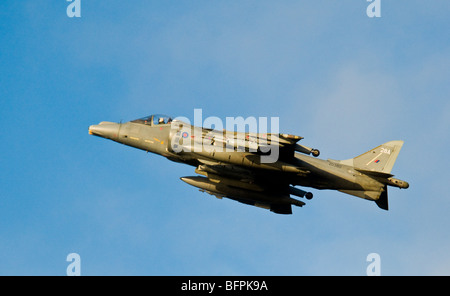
155 119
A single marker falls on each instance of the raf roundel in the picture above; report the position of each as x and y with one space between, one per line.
185 135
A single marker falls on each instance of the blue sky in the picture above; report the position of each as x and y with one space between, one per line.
342 80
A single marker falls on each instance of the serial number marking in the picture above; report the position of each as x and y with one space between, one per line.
333 164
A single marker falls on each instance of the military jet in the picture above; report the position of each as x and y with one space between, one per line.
238 166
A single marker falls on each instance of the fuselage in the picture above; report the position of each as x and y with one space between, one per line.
257 169
320 174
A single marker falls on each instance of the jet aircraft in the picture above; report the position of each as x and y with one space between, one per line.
233 166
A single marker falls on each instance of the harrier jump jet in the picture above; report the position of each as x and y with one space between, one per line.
242 166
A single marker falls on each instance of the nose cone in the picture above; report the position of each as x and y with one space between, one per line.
105 129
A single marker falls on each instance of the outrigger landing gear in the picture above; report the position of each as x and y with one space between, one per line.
315 152
308 195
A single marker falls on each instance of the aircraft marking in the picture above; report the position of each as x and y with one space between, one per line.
374 158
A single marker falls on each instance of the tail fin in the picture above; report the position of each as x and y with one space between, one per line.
377 162
380 159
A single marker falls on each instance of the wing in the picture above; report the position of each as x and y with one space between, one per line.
270 191
259 143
